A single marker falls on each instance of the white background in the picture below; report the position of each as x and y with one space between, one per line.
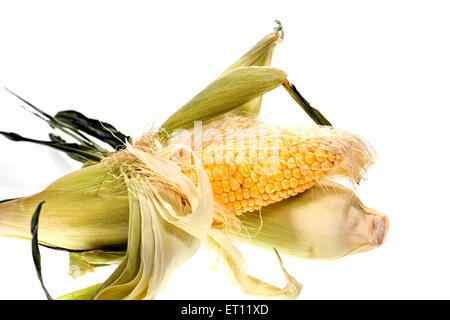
378 68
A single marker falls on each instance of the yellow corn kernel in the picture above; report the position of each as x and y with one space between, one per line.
239 194
287 173
254 192
234 184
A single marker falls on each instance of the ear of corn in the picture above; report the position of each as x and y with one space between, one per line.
160 198
326 222
251 165
251 170
167 212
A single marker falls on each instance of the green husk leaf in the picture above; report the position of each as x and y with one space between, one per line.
82 129
56 124
259 55
55 138
103 131
81 153
225 94
35 246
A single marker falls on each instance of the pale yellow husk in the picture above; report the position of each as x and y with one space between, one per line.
326 222
84 210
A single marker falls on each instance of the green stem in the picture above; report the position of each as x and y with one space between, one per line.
313 113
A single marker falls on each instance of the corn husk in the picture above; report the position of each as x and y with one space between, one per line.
168 219
326 222
225 94
259 55
84 210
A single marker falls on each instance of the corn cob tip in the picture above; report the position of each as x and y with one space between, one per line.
378 229
381 223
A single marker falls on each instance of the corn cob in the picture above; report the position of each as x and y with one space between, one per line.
249 173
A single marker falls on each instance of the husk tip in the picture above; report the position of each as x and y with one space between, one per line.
380 226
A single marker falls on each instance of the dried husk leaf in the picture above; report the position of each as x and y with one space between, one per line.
326 222
168 219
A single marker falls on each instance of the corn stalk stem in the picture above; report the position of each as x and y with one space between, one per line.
313 113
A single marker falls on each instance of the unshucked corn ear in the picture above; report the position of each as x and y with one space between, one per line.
326 222
167 214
